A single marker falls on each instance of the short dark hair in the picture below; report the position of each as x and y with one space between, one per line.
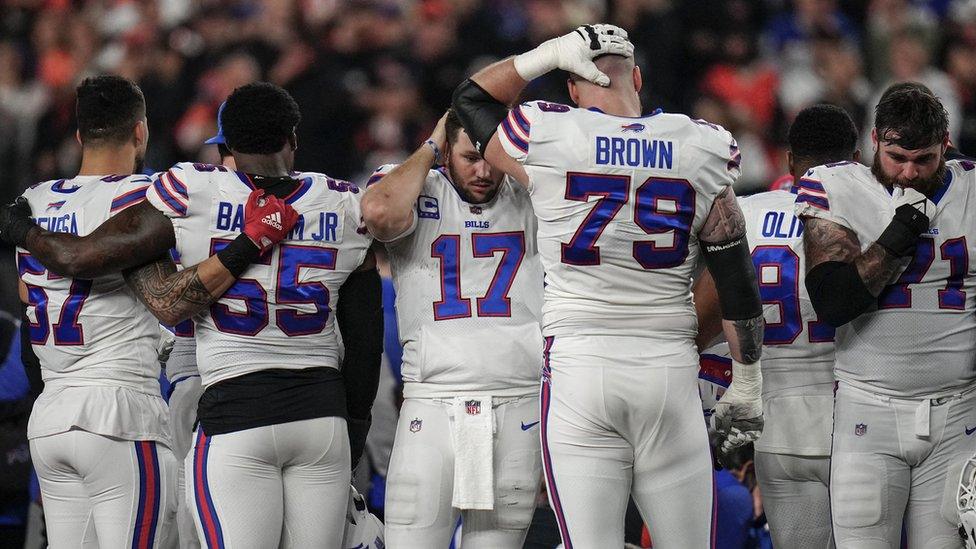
452 126
911 116
821 134
108 107
259 118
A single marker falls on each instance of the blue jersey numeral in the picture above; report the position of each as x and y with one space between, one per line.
495 302
898 295
784 293
67 330
662 206
288 290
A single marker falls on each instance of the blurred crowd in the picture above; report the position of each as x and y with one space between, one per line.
372 76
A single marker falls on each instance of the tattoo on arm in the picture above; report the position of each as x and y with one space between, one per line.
133 237
877 268
749 336
171 295
827 241
725 221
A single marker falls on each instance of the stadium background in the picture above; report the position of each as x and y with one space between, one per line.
372 76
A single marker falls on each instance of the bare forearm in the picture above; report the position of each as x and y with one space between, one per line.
745 338
877 268
388 204
173 296
501 81
134 237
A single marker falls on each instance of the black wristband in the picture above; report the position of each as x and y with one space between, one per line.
901 235
239 254
358 430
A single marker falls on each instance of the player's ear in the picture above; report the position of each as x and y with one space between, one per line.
293 141
857 155
573 90
78 137
140 134
638 79
874 137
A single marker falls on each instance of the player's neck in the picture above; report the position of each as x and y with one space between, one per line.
262 164
107 160
615 106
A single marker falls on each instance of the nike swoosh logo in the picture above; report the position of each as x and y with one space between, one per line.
526 427
970 431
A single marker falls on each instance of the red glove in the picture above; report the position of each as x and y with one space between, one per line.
267 219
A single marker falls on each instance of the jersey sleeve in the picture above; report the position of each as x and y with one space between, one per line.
169 193
354 226
515 130
378 174
130 192
819 194
720 158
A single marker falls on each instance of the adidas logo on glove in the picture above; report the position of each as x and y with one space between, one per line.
273 220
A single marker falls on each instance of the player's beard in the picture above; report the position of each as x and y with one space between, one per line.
925 186
465 195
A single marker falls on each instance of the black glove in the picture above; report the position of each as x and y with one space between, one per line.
911 220
15 221
358 429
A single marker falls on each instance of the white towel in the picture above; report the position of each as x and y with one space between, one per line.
474 425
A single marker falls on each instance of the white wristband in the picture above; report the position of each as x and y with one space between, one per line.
747 378
536 62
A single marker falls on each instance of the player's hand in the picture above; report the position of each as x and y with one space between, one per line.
913 215
738 415
574 52
15 221
439 135
267 219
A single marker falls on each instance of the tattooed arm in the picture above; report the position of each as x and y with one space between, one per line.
173 296
134 237
729 262
828 241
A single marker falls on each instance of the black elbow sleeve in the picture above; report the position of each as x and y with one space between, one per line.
478 111
837 292
735 278
359 314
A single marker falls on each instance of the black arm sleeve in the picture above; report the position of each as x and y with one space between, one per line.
735 278
359 313
478 111
32 365
837 292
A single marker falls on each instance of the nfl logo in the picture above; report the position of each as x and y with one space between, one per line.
416 424
476 210
860 429
473 407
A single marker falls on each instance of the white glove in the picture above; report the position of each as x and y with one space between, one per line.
164 346
908 195
574 52
738 416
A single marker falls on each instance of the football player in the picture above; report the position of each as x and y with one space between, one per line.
888 253
626 205
793 454
462 248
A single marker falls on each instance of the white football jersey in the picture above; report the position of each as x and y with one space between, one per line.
921 338
469 293
798 349
280 312
95 340
620 202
